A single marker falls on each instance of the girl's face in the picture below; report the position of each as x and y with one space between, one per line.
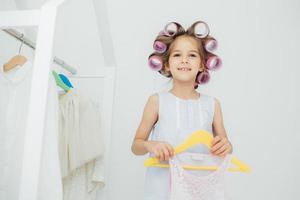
184 62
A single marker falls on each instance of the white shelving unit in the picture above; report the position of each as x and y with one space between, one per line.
44 19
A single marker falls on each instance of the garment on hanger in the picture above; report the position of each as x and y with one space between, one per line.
15 87
80 134
84 182
197 185
81 146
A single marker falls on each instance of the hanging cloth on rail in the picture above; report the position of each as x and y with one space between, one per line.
15 87
81 146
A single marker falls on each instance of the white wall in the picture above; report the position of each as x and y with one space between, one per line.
258 86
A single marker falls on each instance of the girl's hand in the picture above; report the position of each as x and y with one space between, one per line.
162 150
221 146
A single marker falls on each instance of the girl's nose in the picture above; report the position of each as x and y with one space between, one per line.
184 59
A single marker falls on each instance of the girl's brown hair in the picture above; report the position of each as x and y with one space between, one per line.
169 41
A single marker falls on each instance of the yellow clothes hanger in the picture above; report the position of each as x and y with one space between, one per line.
198 137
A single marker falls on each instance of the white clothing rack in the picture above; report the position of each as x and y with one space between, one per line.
44 19
20 36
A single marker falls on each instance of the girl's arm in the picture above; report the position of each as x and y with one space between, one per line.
141 145
150 116
221 145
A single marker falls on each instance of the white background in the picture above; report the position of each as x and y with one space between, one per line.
258 85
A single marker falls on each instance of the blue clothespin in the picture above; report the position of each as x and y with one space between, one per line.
66 80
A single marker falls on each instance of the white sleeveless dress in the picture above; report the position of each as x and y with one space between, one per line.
177 119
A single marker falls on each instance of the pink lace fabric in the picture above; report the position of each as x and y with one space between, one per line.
187 185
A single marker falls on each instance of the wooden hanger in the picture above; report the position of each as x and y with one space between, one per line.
198 137
17 60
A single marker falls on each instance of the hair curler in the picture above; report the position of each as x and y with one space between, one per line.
210 44
203 77
201 29
213 63
171 29
155 63
159 46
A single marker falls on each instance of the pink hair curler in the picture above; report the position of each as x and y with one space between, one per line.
155 63
171 29
213 63
211 45
159 46
201 29
203 77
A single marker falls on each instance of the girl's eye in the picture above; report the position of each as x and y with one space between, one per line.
176 55
193 55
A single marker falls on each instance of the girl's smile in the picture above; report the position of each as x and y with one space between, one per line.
184 69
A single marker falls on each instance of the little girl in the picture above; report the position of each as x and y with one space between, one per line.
186 57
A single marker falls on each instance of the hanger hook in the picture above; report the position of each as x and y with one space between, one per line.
22 37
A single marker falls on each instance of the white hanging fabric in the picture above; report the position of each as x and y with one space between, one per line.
14 98
81 147
193 185
84 182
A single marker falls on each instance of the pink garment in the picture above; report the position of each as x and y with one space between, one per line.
189 185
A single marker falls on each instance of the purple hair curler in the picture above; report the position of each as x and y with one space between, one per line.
171 29
159 46
155 63
213 63
203 77
211 45
201 29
